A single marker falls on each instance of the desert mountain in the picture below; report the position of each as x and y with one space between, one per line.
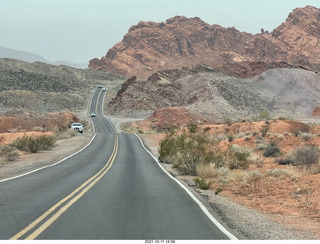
283 92
30 57
186 42
47 88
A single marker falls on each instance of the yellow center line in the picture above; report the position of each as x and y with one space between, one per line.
84 187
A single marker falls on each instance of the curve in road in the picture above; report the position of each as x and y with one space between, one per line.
113 189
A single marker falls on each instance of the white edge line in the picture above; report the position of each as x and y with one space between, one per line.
48 166
203 208
105 115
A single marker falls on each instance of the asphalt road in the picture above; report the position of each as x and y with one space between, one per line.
113 189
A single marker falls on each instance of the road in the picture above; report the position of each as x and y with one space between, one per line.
113 189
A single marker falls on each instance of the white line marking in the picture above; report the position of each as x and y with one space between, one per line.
203 208
106 116
48 166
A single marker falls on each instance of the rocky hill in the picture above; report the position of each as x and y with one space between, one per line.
185 42
47 88
283 92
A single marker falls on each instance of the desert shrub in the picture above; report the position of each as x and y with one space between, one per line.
264 115
20 143
236 160
34 144
236 175
306 155
207 170
272 150
305 136
64 134
167 148
45 142
264 129
285 161
202 183
223 181
9 153
278 173
252 179
192 127
259 162
247 138
230 137
313 169
187 150
218 191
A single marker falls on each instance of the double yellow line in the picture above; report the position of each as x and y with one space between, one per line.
68 200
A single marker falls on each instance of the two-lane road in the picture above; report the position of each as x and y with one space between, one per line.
113 189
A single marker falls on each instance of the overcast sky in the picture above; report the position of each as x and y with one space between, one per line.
79 30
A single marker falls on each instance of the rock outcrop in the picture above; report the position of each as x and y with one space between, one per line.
186 42
215 95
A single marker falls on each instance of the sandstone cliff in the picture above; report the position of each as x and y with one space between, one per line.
185 42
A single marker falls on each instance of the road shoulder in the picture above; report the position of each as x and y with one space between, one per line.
32 161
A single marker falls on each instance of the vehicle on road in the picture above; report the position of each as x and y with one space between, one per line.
93 115
104 89
99 86
77 126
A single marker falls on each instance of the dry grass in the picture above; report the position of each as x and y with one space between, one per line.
65 134
207 171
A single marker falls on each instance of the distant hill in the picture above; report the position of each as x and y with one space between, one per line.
30 57
180 42
44 88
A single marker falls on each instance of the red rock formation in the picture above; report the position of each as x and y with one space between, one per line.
187 42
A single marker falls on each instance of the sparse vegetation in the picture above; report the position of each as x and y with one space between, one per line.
202 183
252 180
9 153
272 150
186 151
237 160
230 137
190 153
264 115
306 155
278 173
305 136
192 127
264 129
34 144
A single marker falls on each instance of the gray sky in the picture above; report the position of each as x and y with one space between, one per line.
79 30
